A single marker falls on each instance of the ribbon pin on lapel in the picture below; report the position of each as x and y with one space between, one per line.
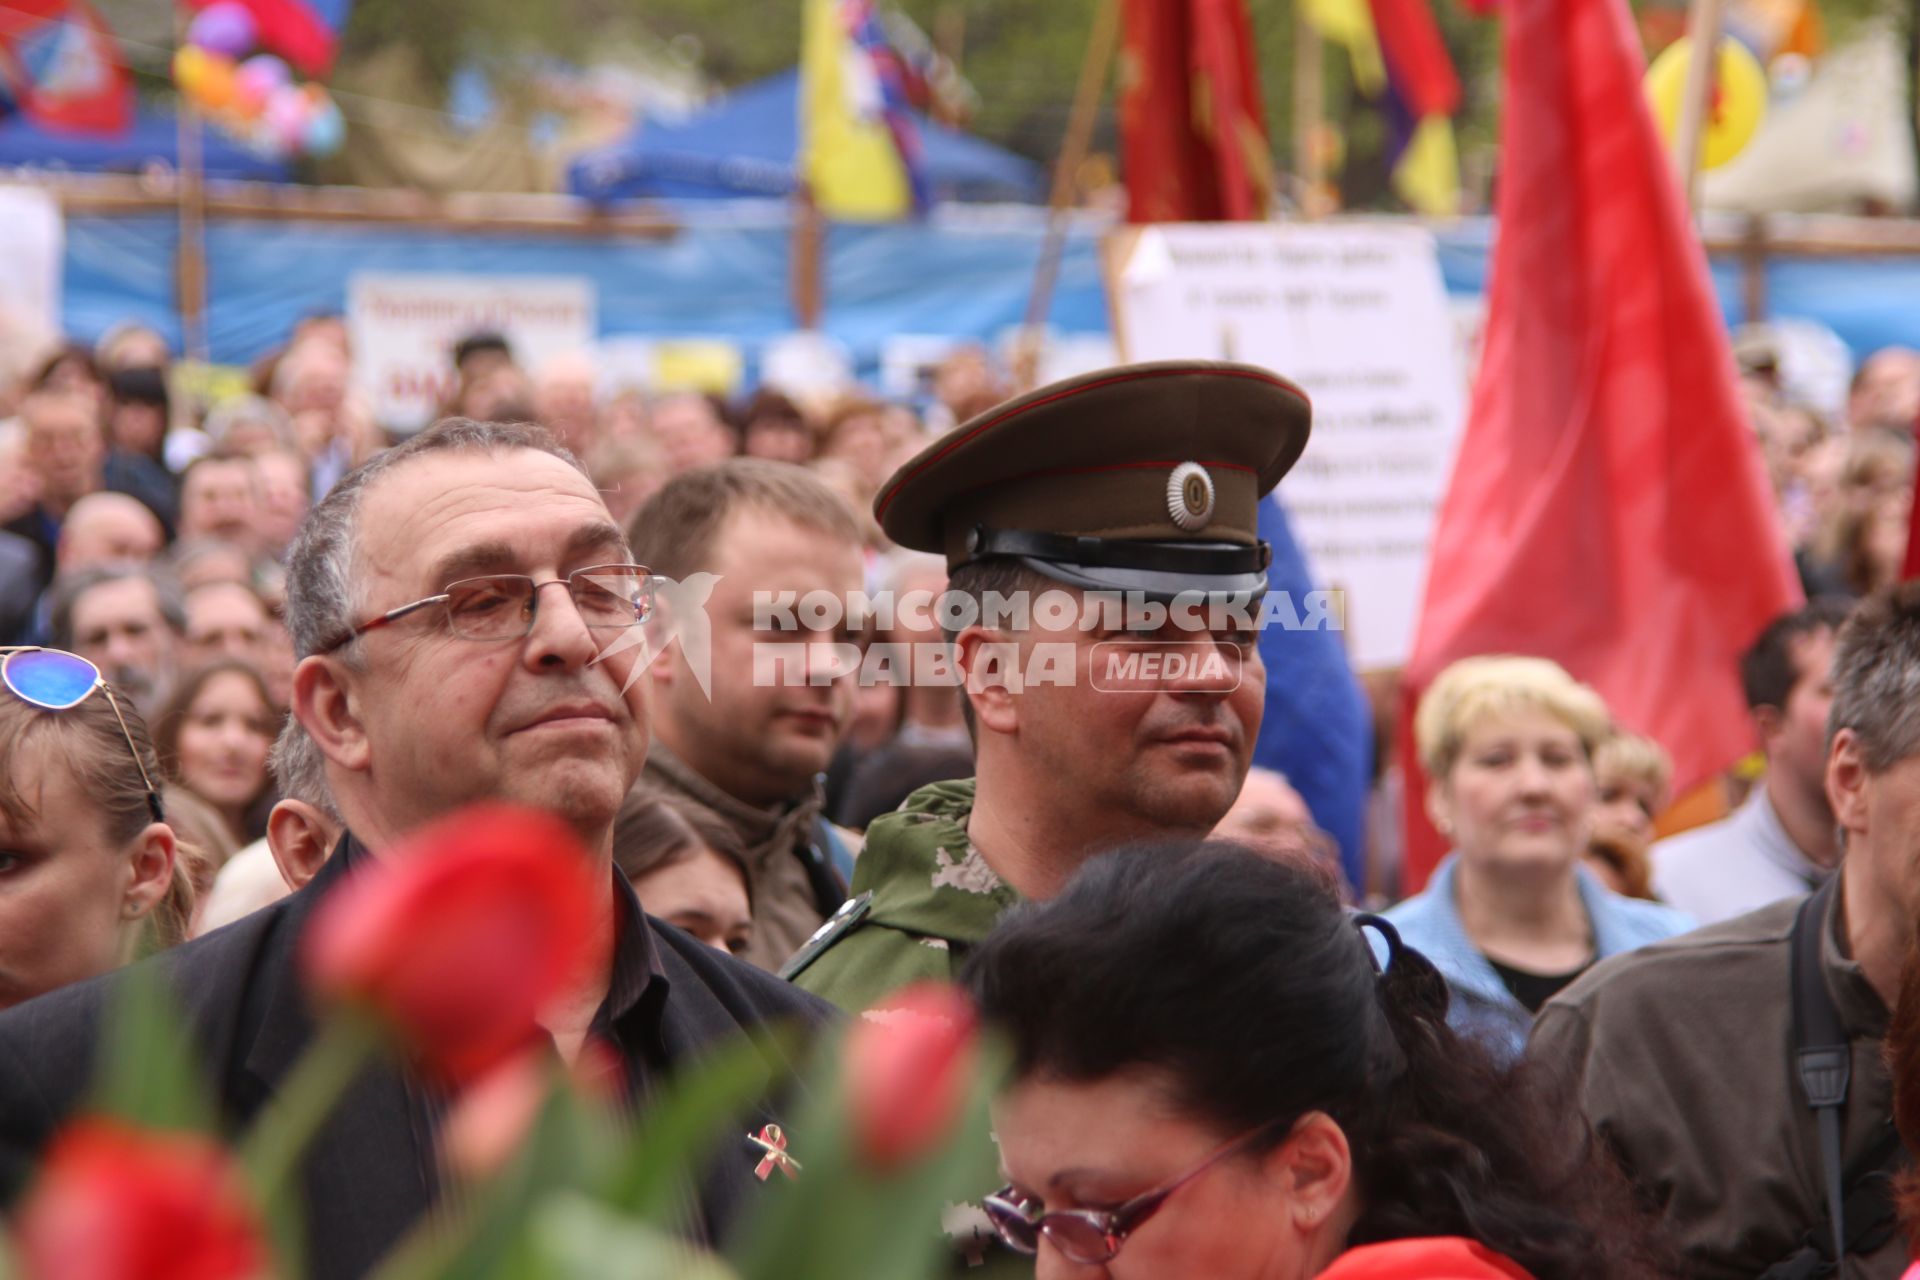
774 1143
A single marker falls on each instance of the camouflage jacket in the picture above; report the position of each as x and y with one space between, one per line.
922 895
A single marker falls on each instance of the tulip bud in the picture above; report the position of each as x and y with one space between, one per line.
114 1202
909 1064
459 937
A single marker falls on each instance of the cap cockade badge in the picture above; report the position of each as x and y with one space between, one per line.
1190 496
774 1143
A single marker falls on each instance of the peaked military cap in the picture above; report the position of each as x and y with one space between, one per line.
1146 477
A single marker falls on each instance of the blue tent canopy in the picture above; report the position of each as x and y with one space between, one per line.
154 137
744 145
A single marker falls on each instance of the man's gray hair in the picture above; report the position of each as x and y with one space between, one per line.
1876 677
70 586
321 597
299 770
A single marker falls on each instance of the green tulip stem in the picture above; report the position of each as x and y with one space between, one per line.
315 1084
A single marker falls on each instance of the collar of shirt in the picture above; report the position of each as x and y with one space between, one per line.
1760 822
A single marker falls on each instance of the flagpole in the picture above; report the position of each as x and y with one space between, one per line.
1073 152
1703 30
803 252
1309 112
190 259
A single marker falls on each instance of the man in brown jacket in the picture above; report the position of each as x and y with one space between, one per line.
1686 1055
725 735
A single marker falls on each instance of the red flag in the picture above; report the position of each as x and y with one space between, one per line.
60 66
1417 57
1608 507
1192 133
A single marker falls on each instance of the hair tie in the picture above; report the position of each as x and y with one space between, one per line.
1364 920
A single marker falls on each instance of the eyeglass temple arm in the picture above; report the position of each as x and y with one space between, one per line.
374 624
153 793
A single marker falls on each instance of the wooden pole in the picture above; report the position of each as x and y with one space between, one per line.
805 251
190 259
1309 112
1073 152
1703 29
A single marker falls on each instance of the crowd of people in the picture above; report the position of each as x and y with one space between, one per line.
250 645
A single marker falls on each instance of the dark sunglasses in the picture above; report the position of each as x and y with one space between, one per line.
55 680
1093 1236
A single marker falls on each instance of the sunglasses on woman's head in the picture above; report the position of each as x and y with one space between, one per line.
55 680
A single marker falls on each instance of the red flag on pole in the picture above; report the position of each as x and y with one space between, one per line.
61 67
1193 137
1608 507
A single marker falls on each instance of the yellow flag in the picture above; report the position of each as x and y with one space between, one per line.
1428 175
847 156
1350 23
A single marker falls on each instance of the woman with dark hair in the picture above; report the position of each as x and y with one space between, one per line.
1214 1077
214 735
687 867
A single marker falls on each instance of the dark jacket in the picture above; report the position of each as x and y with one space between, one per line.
366 1178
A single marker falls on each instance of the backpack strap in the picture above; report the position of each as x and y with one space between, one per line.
1822 1057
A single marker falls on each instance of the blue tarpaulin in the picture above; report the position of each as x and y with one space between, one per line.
154 138
744 145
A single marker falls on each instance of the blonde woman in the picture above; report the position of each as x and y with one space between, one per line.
1510 916
87 862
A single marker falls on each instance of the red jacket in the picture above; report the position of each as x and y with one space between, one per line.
1433 1258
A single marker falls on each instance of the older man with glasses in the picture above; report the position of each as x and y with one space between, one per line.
458 605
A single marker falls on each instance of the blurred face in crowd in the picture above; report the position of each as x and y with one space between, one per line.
1794 737
1068 1145
225 620
212 561
63 447
224 740
780 439
284 497
762 742
107 528
1626 805
68 890
1886 392
137 427
861 442
564 403
704 894
136 349
689 433
119 627
417 721
19 486
1519 796
220 498
1150 751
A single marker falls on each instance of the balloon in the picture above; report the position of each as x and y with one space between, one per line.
260 77
204 79
287 115
325 129
225 28
1738 104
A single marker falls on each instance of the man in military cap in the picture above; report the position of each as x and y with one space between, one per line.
1105 578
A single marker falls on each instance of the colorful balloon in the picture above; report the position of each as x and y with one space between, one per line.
1736 107
325 129
226 28
287 114
260 77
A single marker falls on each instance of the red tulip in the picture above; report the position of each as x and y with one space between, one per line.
460 936
116 1203
910 1063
